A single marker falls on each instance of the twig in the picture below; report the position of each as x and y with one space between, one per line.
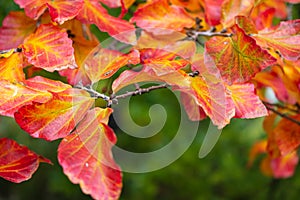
209 33
8 50
93 92
281 106
113 99
283 115
140 91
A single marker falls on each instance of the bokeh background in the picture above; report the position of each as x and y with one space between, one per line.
222 174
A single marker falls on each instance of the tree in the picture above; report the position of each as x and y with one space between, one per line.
221 56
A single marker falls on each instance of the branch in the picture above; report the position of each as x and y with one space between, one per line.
209 33
114 99
137 91
93 92
297 111
8 50
283 115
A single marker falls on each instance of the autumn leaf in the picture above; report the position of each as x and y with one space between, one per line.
287 135
191 5
17 163
232 8
93 13
41 49
285 39
33 8
193 110
83 49
56 118
16 26
284 166
159 17
246 24
103 63
247 104
86 157
63 10
213 11
209 94
238 57
44 84
16 95
11 68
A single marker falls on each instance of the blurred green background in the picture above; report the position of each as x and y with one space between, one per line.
220 175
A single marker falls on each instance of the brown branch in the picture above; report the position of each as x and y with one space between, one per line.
192 33
137 91
283 115
297 111
113 99
8 50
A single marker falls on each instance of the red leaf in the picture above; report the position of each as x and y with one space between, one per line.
112 3
63 10
209 93
33 8
16 26
213 11
194 111
232 8
86 156
15 95
94 13
287 135
56 118
159 17
49 48
247 104
285 39
238 57
45 84
284 166
17 163
103 63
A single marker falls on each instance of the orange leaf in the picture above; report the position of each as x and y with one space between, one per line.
246 24
256 149
285 39
33 8
159 17
56 118
94 13
45 84
49 48
16 26
194 111
16 95
103 63
11 68
238 57
83 49
247 104
86 157
63 10
17 163
209 93
232 8
287 135
191 5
